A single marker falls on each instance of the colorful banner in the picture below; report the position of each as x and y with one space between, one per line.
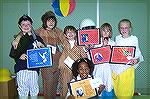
41 57
87 37
122 54
100 55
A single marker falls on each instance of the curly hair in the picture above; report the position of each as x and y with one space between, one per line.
75 67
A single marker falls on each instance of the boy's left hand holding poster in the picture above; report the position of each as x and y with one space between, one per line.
38 58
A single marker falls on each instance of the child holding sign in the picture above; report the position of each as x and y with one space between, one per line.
71 52
103 70
83 69
27 79
123 74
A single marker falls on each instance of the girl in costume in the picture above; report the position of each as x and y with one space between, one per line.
123 74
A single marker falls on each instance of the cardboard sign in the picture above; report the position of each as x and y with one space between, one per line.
87 37
122 54
82 89
100 55
41 57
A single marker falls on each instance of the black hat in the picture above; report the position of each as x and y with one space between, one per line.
25 17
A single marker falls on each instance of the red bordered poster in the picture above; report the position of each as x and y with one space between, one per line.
87 37
122 54
100 55
82 89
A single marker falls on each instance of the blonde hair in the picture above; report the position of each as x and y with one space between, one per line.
125 21
106 25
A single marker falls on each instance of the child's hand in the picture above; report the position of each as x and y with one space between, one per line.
39 45
134 61
88 47
14 44
71 97
101 88
23 57
105 41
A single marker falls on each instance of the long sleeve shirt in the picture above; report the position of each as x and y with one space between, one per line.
130 41
25 43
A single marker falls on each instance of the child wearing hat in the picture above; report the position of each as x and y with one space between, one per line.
27 79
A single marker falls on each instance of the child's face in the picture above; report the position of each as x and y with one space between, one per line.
84 70
70 34
105 32
26 26
125 29
50 23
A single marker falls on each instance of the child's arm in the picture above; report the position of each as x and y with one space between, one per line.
105 41
138 55
100 88
134 61
88 47
83 53
16 41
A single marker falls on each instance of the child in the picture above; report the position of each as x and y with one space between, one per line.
83 69
104 70
51 36
71 52
27 79
87 24
123 75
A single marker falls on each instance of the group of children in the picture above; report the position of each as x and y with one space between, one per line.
73 63
118 79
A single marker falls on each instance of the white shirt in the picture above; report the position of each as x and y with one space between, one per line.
71 43
130 41
104 70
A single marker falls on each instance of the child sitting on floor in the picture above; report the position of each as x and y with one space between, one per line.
83 69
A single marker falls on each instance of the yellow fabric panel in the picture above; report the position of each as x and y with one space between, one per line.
124 83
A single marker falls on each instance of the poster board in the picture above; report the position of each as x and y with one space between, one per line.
86 37
41 57
100 55
122 54
82 89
